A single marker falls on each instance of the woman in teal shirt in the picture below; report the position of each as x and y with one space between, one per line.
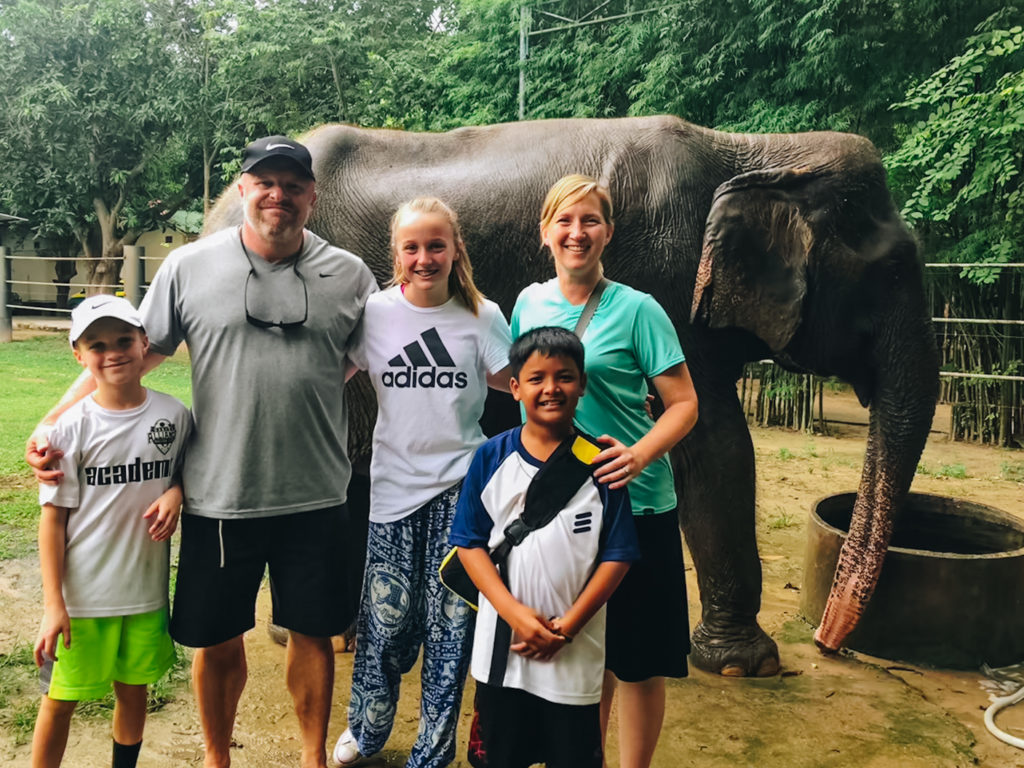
629 339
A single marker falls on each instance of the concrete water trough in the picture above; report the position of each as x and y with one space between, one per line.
951 593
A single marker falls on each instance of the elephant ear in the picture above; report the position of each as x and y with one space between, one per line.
752 271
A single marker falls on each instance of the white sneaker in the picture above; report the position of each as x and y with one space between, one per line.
346 751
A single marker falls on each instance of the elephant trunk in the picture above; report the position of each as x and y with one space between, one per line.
906 387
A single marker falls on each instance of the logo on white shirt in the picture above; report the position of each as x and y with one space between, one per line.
423 364
162 435
582 522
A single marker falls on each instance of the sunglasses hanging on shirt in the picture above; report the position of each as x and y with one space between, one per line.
275 298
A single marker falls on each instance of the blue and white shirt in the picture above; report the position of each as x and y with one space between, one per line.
548 570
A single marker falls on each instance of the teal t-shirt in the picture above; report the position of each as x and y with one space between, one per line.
629 338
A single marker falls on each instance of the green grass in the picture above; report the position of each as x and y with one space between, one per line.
19 693
782 520
33 376
1012 470
956 471
796 631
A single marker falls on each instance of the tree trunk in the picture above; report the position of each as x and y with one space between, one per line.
105 267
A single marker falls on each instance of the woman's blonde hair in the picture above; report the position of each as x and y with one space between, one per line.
569 190
460 281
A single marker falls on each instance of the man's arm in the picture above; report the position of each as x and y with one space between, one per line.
52 535
37 450
534 632
603 582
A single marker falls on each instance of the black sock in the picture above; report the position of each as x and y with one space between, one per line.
125 755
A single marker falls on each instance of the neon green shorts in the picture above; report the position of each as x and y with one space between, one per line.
136 650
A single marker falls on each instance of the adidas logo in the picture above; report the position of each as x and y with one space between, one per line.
418 370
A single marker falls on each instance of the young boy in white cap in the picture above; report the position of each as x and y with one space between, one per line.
103 537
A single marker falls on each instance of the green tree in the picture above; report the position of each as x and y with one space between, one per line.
479 71
960 167
794 65
959 171
88 103
292 64
746 65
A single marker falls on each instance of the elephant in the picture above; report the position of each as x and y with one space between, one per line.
781 246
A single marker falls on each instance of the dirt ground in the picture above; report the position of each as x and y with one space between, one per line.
850 710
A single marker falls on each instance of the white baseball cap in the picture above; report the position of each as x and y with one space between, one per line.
99 306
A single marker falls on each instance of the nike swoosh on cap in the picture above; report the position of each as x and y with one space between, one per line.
277 146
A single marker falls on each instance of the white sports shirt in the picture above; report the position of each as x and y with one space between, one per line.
116 463
428 366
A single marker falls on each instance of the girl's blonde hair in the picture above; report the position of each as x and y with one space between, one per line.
460 281
569 190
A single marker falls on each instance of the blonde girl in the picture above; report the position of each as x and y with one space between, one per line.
431 344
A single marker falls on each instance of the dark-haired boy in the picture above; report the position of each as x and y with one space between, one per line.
103 536
537 697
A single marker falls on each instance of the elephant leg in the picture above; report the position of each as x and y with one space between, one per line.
714 469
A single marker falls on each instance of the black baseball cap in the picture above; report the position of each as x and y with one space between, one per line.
277 146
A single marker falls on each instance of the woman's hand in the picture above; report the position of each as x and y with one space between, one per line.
623 463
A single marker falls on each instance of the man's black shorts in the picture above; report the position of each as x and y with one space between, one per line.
221 565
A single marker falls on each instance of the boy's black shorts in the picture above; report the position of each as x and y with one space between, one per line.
647 628
221 565
515 729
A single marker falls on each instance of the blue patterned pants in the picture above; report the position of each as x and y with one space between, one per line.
404 606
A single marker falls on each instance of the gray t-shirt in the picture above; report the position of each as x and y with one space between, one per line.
271 424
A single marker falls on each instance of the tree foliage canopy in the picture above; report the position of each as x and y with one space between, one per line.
112 112
90 99
961 163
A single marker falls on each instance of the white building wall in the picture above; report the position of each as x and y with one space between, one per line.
33 275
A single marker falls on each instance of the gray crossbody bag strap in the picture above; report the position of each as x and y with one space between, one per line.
590 307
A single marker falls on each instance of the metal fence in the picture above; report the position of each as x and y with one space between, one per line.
133 285
982 357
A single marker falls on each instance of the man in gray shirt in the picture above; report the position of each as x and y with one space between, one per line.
266 311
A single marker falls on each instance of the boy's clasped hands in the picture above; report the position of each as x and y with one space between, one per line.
536 636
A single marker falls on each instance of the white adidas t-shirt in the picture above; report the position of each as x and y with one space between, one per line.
116 463
428 366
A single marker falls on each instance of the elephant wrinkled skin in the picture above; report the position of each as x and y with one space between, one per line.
758 246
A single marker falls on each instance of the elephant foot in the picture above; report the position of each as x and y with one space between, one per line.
345 643
277 633
735 651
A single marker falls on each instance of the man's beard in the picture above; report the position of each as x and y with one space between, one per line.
275 229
